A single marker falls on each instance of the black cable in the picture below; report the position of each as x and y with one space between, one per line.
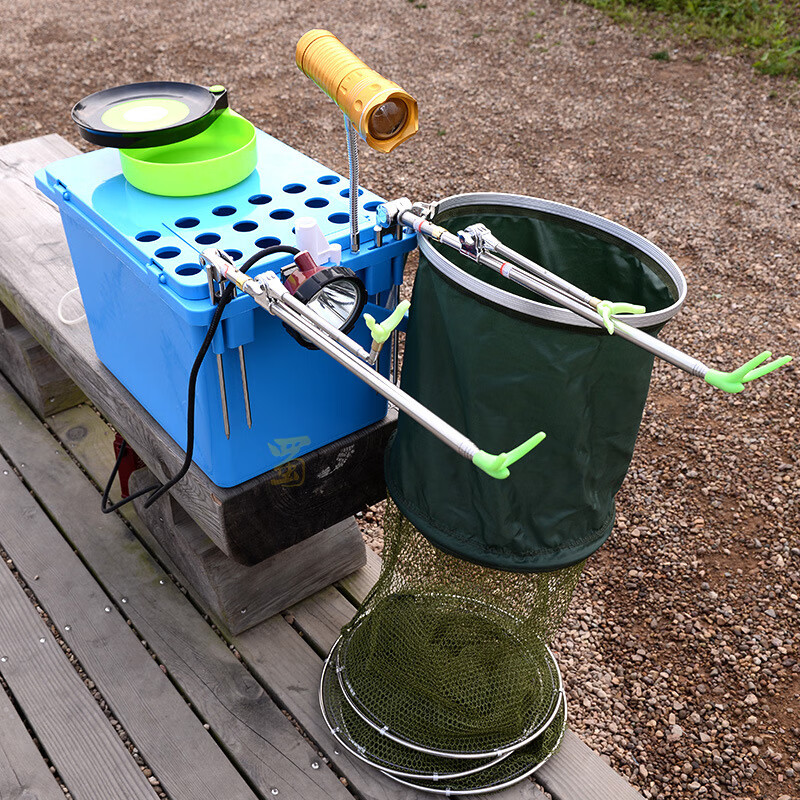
106 509
160 489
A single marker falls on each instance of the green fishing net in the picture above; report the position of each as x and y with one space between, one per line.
444 679
452 657
519 765
428 772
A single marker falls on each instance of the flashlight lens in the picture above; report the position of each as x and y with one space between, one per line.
388 119
337 302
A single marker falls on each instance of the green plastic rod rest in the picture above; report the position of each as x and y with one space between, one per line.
497 466
381 331
607 309
734 382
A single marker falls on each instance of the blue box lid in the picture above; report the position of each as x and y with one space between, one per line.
164 236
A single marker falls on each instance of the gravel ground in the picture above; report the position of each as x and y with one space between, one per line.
681 651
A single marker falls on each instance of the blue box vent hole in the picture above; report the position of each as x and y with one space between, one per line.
223 211
294 188
207 238
147 236
245 226
167 252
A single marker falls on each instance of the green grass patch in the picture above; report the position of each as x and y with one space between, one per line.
767 29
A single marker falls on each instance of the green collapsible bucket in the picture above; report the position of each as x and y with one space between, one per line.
500 363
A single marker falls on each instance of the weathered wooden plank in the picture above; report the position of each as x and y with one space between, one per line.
321 613
21 162
89 439
39 379
576 772
23 772
74 731
242 716
169 736
356 586
239 596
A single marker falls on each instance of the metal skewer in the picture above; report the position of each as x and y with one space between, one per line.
223 396
220 369
245 387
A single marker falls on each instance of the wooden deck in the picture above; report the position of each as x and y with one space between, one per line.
211 716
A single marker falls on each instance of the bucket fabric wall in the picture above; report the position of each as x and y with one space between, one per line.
500 364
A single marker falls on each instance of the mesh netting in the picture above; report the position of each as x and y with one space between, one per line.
452 657
519 765
378 750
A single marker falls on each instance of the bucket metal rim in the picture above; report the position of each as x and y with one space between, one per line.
544 311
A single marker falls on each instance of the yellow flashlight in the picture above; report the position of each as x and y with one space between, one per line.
383 114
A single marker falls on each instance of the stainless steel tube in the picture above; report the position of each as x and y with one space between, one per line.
539 271
521 276
641 338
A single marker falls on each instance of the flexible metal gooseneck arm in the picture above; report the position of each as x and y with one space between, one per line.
352 159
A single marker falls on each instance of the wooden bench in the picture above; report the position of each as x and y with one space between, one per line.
234 530
213 714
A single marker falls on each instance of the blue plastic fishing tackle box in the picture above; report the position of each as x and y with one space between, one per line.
136 257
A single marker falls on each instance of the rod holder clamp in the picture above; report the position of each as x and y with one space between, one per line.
220 267
424 210
483 238
469 244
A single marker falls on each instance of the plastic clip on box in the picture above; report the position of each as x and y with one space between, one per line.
136 256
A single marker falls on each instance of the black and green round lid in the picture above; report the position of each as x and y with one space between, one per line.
148 114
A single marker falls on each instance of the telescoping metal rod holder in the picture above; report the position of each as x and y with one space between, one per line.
269 292
477 242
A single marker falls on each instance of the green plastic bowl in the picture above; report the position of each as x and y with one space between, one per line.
221 156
